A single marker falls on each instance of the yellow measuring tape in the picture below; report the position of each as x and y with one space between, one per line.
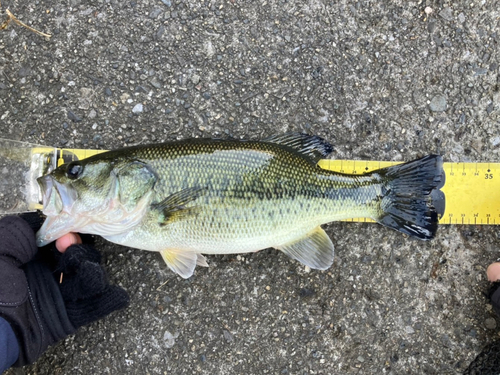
472 189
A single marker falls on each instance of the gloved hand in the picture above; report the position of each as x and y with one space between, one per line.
40 310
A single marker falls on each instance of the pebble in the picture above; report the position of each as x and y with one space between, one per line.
24 71
167 3
306 292
195 79
409 330
461 18
438 103
138 108
169 339
92 113
495 141
228 336
155 13
446 14
155 83
108 92
428 10
73 117
490 323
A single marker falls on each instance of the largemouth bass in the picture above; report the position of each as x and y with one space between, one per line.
202 196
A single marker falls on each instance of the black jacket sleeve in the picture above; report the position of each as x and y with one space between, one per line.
30 299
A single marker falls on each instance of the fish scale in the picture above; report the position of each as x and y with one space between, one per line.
198 197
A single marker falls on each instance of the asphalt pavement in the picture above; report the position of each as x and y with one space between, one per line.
380 80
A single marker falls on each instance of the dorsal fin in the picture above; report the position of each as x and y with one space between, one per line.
310 145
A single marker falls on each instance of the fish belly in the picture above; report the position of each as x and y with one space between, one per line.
239 228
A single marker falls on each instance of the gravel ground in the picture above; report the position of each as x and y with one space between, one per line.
381 80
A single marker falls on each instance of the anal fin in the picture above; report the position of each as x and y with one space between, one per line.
314 249
183 262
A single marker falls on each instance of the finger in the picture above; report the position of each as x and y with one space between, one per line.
67 240
493 272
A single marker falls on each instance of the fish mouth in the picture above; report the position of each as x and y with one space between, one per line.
56 197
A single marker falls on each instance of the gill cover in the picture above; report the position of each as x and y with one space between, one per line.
101 198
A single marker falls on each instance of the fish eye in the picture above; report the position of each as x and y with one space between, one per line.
74 170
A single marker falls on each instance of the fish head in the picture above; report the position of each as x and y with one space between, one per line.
95 195
79 185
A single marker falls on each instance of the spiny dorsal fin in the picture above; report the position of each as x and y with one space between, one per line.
174 206
309 145
315 249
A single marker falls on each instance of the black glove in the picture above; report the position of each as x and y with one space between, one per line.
39 309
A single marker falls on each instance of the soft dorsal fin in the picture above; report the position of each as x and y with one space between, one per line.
315 249
310 145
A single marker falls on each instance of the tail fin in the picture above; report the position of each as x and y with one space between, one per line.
412 202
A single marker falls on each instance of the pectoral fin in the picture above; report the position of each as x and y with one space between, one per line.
314 250
183 262
175 207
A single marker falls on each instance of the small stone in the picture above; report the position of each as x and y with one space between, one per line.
461 18
73 117
490 323
92 113
306 292
228 336
480 71
138 108
361 359
155 83
428 10
107 91
24 71
446 14
65 125
167 3
155 13
495 141
169 339
409 330
195 79
438 103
